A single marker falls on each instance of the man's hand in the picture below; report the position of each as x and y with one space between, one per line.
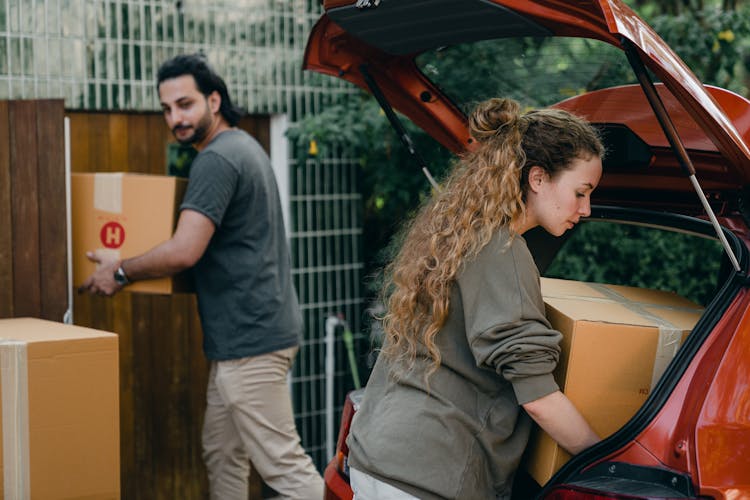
102 282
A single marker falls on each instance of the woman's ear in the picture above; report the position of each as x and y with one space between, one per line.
537 175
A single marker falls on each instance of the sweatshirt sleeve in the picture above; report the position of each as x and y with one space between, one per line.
505 322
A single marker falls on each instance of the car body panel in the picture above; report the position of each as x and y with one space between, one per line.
334 52
337 488
723 427
627 105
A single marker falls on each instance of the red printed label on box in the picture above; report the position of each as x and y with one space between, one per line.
112 235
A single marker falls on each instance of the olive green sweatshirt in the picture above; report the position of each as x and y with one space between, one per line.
462 434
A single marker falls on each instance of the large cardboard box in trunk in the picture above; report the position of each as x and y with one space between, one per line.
60 411
617 342
125 214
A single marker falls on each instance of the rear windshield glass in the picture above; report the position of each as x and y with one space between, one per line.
537 72
628 254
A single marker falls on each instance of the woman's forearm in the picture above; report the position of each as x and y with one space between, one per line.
562 421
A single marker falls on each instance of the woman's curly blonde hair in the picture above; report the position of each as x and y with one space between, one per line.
485 191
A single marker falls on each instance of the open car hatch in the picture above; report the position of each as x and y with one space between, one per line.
387 36
676 152
375 44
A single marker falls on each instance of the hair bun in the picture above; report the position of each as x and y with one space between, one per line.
492 117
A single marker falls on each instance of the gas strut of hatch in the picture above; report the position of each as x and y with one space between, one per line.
403 135
669 130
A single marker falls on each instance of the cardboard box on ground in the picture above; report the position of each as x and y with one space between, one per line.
617 342
125 214
60 411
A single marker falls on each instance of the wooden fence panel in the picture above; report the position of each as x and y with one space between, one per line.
6 222
98 144
163 371
33 251
25 209
52 224
138 139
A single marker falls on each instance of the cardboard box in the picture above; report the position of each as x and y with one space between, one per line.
126 214
60 411
617 342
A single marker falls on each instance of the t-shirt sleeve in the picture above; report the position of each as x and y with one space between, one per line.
212 183
505 321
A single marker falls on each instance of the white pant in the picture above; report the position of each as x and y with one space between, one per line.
366 487
249 419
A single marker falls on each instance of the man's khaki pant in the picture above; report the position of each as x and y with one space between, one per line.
249 419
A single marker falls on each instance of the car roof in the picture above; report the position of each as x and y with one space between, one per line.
386 36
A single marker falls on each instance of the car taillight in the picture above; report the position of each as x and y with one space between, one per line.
624 481
342 450
566 492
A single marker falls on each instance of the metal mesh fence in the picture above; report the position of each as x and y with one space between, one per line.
326 210
103 55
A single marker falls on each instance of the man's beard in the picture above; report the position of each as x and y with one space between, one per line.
200 131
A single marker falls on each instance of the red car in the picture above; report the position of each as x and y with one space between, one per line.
674 191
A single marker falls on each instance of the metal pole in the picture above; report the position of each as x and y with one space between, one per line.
674 140
403 135
68 316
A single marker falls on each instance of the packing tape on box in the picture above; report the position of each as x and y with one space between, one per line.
15 414
670 337
108 192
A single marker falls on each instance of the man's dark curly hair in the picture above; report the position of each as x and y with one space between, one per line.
205 77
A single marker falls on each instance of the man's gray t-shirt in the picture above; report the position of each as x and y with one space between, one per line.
246 299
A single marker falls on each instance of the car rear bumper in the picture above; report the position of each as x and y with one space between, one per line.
336 486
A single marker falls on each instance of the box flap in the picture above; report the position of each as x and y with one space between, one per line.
31 330
600 311
616 304
553 287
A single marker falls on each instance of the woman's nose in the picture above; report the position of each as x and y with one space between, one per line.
585 208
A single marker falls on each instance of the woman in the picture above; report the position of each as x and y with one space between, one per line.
467 344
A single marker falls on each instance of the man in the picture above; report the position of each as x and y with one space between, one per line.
231 232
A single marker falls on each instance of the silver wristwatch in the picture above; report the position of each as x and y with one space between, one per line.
120 277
